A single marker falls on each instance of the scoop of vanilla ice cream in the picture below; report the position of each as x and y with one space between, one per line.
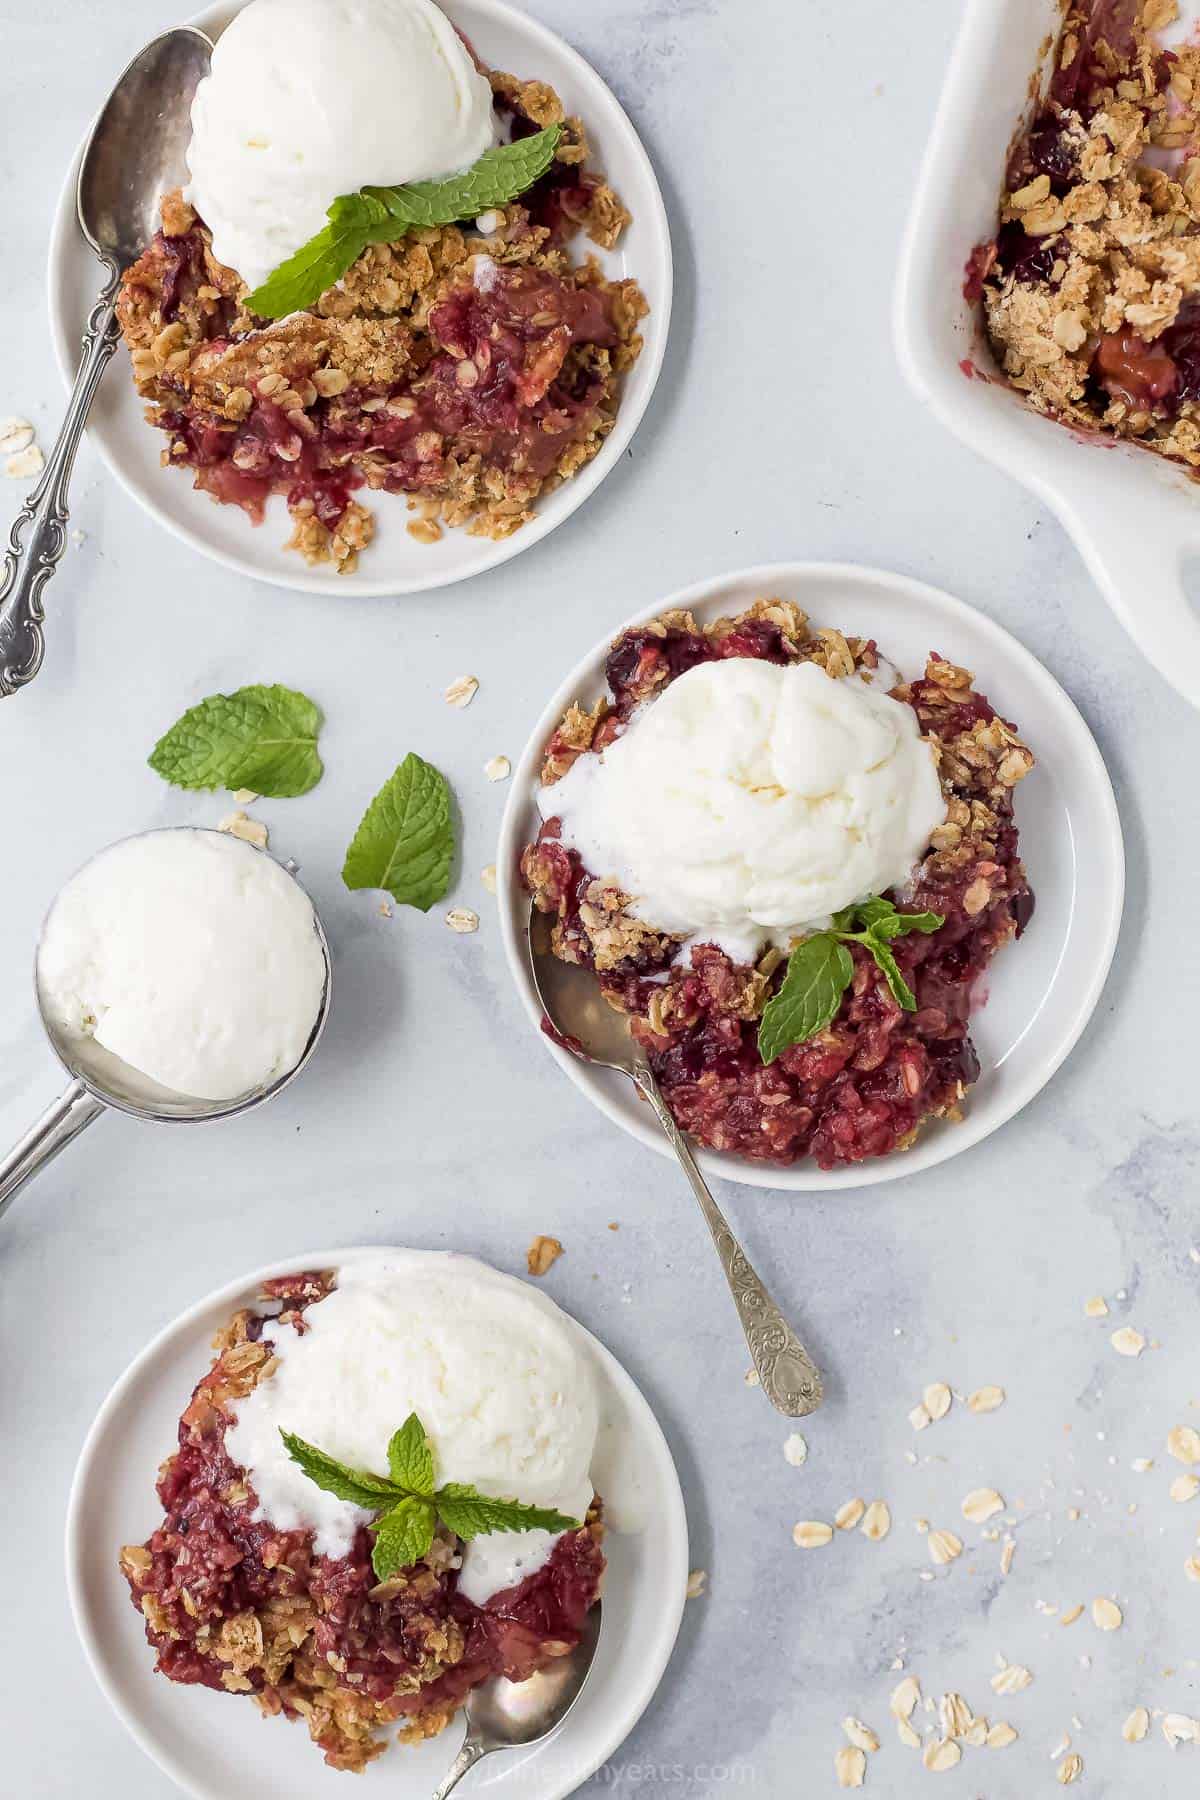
191 956
749 801
499 1377
311 99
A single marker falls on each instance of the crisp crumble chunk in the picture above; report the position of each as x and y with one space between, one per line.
471 370
1091 287
868 1082
232 1603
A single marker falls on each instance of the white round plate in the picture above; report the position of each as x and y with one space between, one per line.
220 1748
395 563
1041 992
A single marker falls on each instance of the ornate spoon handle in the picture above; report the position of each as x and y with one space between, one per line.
29 565
788 1375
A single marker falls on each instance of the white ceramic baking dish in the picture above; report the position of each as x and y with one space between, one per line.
1134 517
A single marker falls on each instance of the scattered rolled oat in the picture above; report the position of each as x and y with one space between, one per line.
954 1715
695 1584
1179 1729
751 1378
1185 1487
1001 1734
1007 1554
245 797
499 769
860 1735
1013 1678
1191 1568
1136 1725
251 831
1072 1613
1142 1465
795 1450
936 1398
1069 1769
811 1534
944 1547
986 1399
488 878
29 461
15 434
1183 1441
975 1733
904 1698
850 1766
940 1755
1106 1614
461 918
980 1505
877 1521
1096 1307
919 1418
849 1513
462 691
907 1735
542 1254
1127 1341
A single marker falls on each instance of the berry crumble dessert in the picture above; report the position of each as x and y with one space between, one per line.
436 339
791 869
1091 286
268 1576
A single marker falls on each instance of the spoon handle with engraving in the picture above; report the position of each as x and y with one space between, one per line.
787 1374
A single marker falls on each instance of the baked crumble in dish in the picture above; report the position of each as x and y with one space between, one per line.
865 1084
1091 286
469 370
231 1602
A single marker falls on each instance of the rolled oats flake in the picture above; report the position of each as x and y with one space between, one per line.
25 463
941 1755
15 434
1001 1734
695 1584
1178 1728
811 1534
1127 1341
795 1450
462 919
1072 1613
981 1504
849 1513
1184 1488
936 1399
905 1696
1013 1678
860 1735
1136 1725
251 831
462 691
944 1547
850 1767
498 769
985 1399
488 877
1106 1614
1069 1769
1096 1307
1183 1442
919 1418
877 1521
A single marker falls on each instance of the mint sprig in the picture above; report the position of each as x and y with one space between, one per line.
820 969
405 841
408 1505
262 738
381 215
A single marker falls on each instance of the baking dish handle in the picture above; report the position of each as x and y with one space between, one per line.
1139 555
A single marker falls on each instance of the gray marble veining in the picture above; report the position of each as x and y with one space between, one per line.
787 139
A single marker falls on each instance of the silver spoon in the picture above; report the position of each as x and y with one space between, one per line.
503 1714
104 1081
589 1026
134 155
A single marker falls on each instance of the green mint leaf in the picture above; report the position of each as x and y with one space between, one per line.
410 1457
301 280
901 992
380 215
901 924
402 1536
263 738
499 176
356 1485
863 914
470 1514
405 842
818 973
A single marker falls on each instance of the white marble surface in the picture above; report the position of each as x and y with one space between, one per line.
787 140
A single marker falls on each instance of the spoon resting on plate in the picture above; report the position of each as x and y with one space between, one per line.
135 153
503 1714
589 1027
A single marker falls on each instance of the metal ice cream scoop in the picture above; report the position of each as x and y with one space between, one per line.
134 155
505 1715
100 1080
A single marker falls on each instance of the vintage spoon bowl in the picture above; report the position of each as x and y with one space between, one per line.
135 154
589 1027
503 1714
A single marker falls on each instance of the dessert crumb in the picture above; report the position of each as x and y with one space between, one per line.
542 1254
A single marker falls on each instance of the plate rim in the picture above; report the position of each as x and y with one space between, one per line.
932 1148
574 492
673 1525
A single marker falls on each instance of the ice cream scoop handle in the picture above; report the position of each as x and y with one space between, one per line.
74 1108
787 1374
39 535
